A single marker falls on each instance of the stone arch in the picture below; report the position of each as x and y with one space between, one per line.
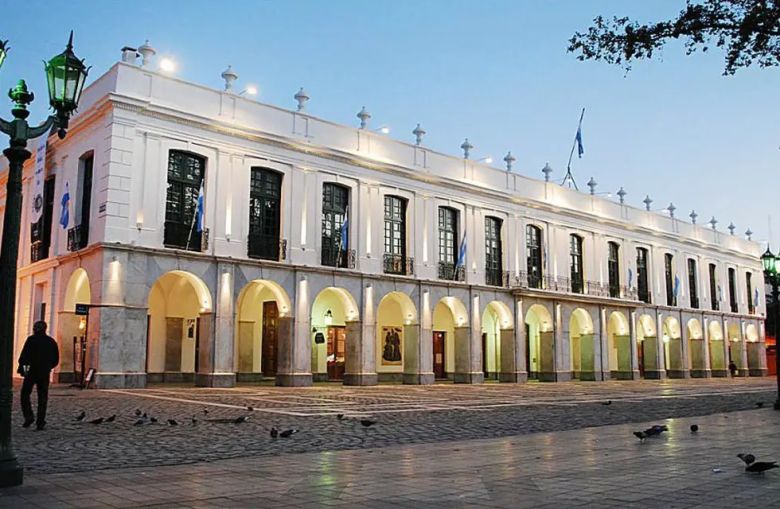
450 338
696 348
77 291
180 327
497 327
540 348
647 347
673 356
335 322
581 345
755 350
397 334
262 329
751 333
619 346
718 363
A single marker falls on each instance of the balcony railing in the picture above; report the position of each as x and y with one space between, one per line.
562 284
78 238
694 302
449 272
339 258
38 251
398 264
494 277
266 247
184 236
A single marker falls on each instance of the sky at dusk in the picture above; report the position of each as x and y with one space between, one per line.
494 71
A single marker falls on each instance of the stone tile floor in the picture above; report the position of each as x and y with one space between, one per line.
590 467
450 464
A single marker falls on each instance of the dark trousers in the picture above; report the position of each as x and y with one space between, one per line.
42 383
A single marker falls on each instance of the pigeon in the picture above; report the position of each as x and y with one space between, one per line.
145 416
239 420
251 409
340 417
640 435
80 417
140 421
205 411
288 433
194 420
694 428
274 432
747 458
138 412
99 420
173 422
111 419
759 467
607 403
367 422
655 430
153 419
759 404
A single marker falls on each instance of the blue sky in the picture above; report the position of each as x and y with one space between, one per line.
494 71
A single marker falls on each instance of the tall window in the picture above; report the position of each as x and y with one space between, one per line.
335 236
749 287
714 300
265 191
78 236
186 172
613 269
693 283
40 234
733 290
493 252
575 258
533 243
448 234
643 291
395 236
671 298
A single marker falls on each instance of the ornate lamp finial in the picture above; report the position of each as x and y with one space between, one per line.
749 234
693 215
547 170
622 195
418 133
147 52
301 96
647 201
731 228
671 208
713 223
364 116
592 185
466 146
229 75
509 159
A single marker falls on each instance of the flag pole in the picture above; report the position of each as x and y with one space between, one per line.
192 226
569 176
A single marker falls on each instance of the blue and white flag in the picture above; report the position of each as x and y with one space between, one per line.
630 277
65 205
755 297
462 253
580 148
38 176
676 285
344 233
720 293
199 211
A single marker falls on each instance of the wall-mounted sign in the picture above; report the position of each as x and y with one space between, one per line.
82 309
319 338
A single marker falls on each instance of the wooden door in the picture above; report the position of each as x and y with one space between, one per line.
269 338
336 347
528 350
439 366
484 355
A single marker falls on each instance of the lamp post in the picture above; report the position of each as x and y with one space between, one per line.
65 76
772 274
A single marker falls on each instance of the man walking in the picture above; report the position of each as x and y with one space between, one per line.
39 356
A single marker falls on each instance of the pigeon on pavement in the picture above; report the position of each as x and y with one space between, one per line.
112 418
640 435
239 420
140 421
747 458
694 428
99 420
274 432
173 422
152 419
194 420
367 422
607 403
138 412
760 404
80 417
759 467
250 408
288 433
340 417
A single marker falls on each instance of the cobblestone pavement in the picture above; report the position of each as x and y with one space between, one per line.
405 415
601 467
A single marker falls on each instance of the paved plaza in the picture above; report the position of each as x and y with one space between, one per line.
496 445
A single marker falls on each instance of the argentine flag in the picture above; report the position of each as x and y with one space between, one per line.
199 211
344 233
630 277
64 213
676 285
462 253
755 297
580 148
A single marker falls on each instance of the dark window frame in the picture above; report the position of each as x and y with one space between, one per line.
642 268
749 288
613 268
534 243
733 304
265 212
693 283
714 302
335 208
494 264
186 173
671 299
576 264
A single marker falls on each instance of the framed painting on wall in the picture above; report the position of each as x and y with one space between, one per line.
392 345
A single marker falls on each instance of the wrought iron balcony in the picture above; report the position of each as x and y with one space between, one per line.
449 272
398 264
78 238
38 251
266 247
495 277
734 307
184 236
339 258
694 302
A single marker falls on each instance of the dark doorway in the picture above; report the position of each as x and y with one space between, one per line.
439 369
197 345
640 355
528 350
270 338
484 355
336 342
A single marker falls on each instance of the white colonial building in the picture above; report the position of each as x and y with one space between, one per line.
332 253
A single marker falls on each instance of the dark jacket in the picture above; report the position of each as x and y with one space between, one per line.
41 354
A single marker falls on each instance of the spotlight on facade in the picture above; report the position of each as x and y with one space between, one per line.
167 65
249 90
328 317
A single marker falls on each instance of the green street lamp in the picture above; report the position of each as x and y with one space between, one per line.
65 75
771 265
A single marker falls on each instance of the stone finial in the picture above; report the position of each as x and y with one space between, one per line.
301 96
731 228
647 201
671 208
147 52
129 55
547 170
509 159
229 75
749 234
364 116
713 222
418 133
622 195
466 147
693 215
592 185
